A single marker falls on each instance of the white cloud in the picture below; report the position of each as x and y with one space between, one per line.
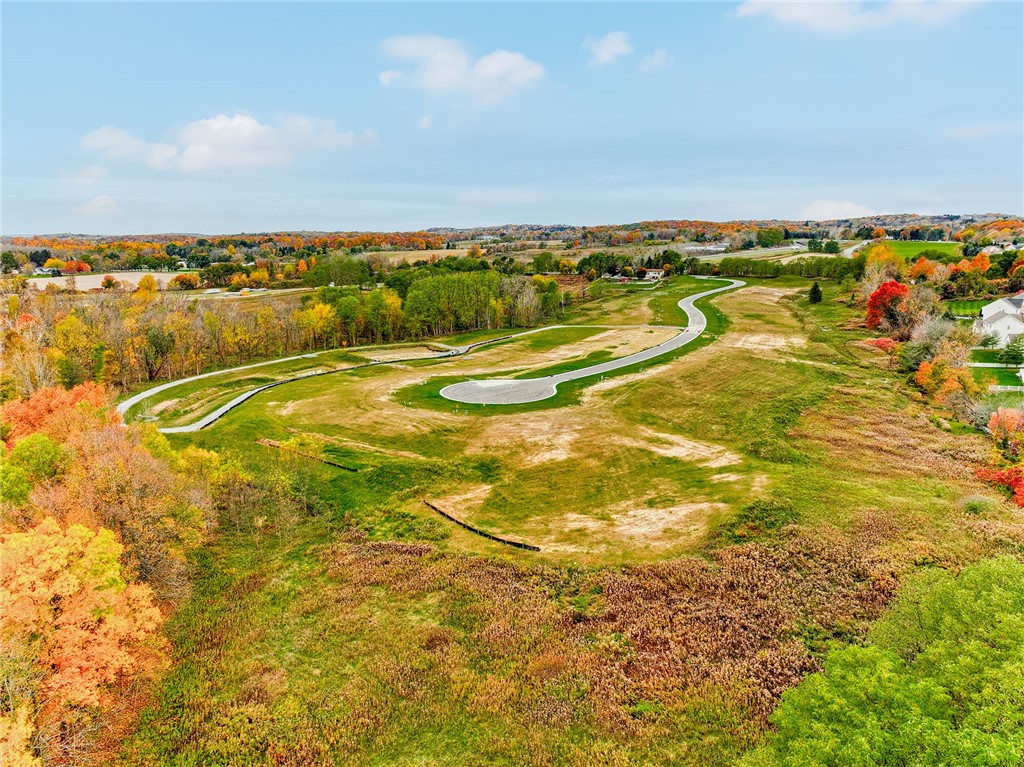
425 122
657 59
498 197
983 130
840 17
103 205
119 144
826 210
444 65
89 175
608 48
239 141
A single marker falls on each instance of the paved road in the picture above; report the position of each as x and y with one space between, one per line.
135 399
505 391
848 252
697 323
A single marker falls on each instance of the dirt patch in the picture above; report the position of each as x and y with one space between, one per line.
288 407
465 503
361 446
675 446
763 341
540 437
645 525
404 353
728 477
165 405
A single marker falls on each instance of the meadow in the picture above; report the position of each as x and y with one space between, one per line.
912 249
708 526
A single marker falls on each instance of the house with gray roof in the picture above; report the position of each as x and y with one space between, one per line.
1003 318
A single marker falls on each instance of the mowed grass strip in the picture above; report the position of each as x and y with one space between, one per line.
966 308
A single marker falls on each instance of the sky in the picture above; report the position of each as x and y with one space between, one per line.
132 118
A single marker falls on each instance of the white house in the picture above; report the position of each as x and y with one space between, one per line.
1004 317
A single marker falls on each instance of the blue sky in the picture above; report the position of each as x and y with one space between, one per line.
215 118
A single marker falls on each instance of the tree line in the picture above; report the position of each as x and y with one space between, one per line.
125 339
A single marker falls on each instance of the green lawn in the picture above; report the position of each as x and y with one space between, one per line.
966 308
997 376
913 249
985 355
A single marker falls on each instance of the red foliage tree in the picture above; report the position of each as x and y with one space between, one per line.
887 303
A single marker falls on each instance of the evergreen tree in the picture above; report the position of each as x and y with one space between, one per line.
1014 353
815 295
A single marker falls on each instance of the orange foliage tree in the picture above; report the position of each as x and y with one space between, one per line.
49 410
922 268
70 623
980 263
1007 427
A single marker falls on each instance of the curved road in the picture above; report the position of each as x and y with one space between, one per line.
506 391
501 388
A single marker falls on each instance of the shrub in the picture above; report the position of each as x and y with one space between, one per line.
184 282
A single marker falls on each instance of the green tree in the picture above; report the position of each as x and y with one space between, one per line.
815 294
941 682
1013 354
159 343
770 237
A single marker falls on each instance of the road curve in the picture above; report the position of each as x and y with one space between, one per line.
697 323
507 391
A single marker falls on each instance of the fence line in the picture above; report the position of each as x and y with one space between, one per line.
460 523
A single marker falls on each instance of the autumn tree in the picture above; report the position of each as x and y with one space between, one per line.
888 308
70 626
921 269
51 411
1007 428
980 263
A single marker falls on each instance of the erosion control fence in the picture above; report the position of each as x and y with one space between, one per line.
481 533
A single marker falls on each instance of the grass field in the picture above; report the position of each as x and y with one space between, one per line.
966 308
997 376
913 249
985 355
707 526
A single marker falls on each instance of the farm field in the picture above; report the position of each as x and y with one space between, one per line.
410 640
912 249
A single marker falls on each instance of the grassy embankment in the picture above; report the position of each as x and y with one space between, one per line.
707 527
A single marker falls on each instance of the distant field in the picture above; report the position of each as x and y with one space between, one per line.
92 280
912 249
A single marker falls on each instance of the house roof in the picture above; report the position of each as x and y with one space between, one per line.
1001 315
1016 301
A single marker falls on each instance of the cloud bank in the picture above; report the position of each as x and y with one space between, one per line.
223 142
